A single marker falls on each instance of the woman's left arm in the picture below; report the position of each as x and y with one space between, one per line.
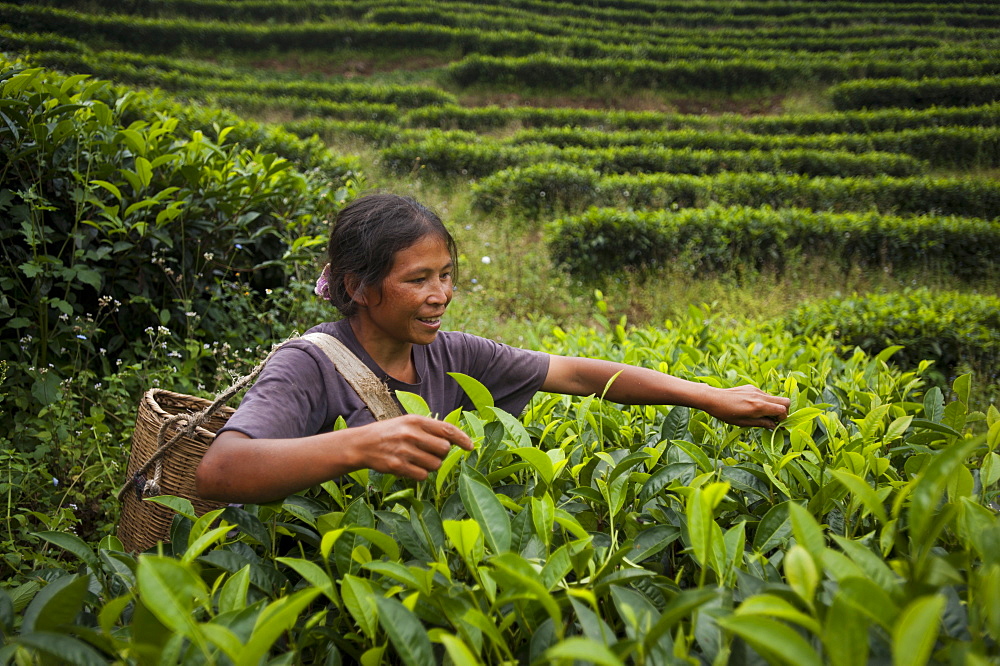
741 405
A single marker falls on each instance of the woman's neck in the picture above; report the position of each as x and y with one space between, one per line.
393 356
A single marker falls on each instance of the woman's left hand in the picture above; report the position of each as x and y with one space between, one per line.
748 406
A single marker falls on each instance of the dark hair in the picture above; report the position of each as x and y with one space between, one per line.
366 236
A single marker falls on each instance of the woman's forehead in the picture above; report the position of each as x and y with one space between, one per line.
430 251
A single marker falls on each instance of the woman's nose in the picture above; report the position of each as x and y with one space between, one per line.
440 292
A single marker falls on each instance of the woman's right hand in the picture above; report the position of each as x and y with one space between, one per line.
409 446
237 468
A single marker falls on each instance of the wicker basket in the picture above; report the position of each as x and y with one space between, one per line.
143 524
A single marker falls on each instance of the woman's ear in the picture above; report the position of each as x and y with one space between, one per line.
357 295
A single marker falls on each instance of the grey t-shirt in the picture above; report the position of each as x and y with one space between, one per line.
300 393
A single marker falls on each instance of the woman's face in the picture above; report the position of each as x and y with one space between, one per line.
414 295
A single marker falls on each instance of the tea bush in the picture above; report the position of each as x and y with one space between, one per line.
956 147
117 221
448 158
490 118
954 330
609 241
879 93
543 71
859 530
125 70
549 189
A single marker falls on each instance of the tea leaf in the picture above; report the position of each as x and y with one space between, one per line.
482 504
170 590
866 597
222 637
916 631
520 580
467 538
539 460
702 528
934 405
807 531
800 417
651 541
359 598
73 544
773 528
845 634
457 650
276 618
455 455
57 604
233 595
413 403
406 632
801 573
929 487
180 505
676 610
963 387
769 605
583 649
865 493
514 427
543 514
776 641
61 648
313 574
675 424
593 626
480 396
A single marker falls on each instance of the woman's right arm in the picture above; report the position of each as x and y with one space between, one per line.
238 468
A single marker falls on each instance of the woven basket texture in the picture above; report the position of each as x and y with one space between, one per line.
142 523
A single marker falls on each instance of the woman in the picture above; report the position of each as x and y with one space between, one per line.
391 271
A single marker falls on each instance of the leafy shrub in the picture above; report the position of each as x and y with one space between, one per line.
953 329
114 227
136 72
543 71
448 158
732 239
898 92
489 118
957 147
585 531
531 191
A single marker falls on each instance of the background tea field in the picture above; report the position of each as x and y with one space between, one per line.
822 174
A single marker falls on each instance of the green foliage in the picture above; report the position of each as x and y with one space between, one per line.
960 147
443 156
542 71
863 529
113 227
547 189
131 238
899 92
608 241
952 329
489 118
138 71
586 531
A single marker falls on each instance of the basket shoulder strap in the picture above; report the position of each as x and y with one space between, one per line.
371 389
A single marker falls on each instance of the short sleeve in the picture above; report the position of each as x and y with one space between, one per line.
512 375
286 401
